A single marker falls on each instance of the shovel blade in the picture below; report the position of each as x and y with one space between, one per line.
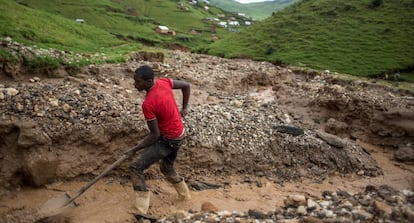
56 205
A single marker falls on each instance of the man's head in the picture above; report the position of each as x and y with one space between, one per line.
144 78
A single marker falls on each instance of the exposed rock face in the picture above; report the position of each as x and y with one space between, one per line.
148 56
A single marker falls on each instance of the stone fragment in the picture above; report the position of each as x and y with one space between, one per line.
11 91
208 206
331 139
257 214
405 153
295 200
382 208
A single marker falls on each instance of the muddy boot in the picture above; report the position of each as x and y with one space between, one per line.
182 191
142 201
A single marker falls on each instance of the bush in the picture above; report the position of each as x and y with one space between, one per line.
375 4
45 62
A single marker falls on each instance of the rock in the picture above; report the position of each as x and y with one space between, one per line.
362 215
54 102
180 214
66 108
301 210
1 96
331 139
382 208
336 127
387 193
405 153
409 213
289 130
31 135
295 200
311 204
257 214
310 219
11 91
209 207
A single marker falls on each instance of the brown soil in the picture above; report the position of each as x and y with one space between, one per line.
110 201
373 121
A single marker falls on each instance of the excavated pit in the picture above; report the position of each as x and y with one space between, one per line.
247 120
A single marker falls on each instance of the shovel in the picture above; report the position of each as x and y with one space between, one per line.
59 204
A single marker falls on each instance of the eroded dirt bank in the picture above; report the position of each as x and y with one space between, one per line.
253 128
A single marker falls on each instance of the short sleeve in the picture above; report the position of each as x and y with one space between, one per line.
167 81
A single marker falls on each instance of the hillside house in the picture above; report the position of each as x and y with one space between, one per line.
234 23
241 14
165 30
181 6
80 20
223 24
162 29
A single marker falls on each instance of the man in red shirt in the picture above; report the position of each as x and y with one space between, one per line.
166 132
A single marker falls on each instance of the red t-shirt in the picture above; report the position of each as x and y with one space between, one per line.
160 104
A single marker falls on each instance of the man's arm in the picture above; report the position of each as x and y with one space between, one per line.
185 89
150 139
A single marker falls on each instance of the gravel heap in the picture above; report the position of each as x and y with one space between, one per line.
375 204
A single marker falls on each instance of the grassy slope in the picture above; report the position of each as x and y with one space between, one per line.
133 19
45 29
347 37
257 11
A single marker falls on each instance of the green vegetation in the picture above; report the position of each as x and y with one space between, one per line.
111 29
344 36
6 55
136 20
256 11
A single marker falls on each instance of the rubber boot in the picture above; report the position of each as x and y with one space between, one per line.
142 201
182 191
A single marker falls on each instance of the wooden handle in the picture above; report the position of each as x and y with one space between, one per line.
87 186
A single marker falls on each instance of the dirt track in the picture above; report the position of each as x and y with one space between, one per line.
57 133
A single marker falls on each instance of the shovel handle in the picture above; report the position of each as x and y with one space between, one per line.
92 182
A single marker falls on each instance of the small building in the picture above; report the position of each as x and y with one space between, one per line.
165 30
247 23
222 24
234 23
80 20
162 29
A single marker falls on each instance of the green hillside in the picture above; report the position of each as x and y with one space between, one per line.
126 24
257 11
355 37
48 30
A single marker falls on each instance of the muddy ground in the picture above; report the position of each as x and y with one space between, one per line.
257 131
